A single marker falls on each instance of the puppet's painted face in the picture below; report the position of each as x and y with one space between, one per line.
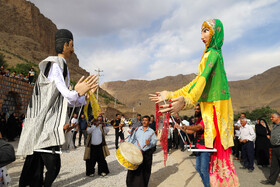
68 49
205 35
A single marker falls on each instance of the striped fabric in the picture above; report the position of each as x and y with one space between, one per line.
46 113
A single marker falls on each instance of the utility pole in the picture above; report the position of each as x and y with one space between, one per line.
98 75
132 112
115 101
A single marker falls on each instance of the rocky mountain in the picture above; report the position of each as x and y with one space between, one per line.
26 34
260 90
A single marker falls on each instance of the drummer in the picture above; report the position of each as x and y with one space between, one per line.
145 139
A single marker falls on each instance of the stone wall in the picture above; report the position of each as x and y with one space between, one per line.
14 95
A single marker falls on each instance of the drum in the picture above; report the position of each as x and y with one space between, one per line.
129 156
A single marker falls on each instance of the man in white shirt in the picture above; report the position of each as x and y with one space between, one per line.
74 122
42 134
246 138
183 123
97 131
237 144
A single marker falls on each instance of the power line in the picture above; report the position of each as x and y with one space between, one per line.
98 75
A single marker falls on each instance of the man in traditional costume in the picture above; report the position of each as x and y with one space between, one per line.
42 134
210 88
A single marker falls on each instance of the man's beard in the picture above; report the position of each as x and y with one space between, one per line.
197 114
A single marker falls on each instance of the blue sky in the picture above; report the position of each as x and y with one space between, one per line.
145 39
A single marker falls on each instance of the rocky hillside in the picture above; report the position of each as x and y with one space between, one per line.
27 34
260 90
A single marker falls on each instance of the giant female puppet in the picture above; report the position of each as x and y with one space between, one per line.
210 88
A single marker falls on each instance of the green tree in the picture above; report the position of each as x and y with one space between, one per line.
257 113
22 68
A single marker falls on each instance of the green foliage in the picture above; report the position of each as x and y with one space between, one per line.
107 101
73 83
3 61
21 68
255 114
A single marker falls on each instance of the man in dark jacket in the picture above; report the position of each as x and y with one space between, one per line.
275 153
7 153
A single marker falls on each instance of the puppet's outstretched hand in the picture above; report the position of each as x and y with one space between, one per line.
159 96
174 106
84 85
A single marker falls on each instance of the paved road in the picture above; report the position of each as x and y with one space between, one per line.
180 170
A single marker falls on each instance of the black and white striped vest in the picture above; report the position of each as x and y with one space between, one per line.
46 112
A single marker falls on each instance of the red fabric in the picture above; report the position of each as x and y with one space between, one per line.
157 119
200 122
221 158
164 137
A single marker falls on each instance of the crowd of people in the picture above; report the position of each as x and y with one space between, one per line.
252 141
139 132
256 143
21 76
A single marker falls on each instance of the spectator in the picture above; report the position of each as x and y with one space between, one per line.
118 130
17 76
31 75
12 127
176 132
122 123
170 137
83 129
2 70
21 120
184 123
153 123
129 131
74 122
275 154
21 77
246 138
26 79
97 152
7 74
192 121
262 143
13 75
3 126
7 153
136 122
237 144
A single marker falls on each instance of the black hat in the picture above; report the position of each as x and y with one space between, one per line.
63 34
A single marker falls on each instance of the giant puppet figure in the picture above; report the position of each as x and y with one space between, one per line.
210 88
42 133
